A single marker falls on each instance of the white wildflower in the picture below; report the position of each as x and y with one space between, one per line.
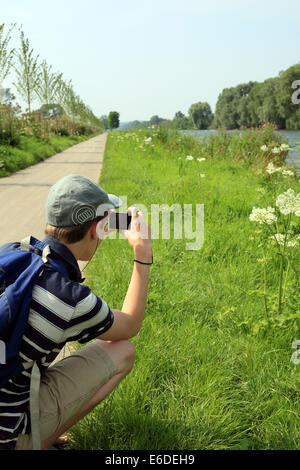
282 239
264 148
285 147
287 173
289 202
276 150
263 216
279 237
294 243
272 169
201 159
189 157
202 176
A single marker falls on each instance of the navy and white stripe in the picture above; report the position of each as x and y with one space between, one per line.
62 310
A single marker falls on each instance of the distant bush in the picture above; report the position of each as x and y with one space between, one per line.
36 125
67 127
10 127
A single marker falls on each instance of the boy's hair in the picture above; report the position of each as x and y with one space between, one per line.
72 234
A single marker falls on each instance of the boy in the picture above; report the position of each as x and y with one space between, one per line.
63 310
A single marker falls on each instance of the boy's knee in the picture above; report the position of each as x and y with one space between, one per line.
129 356
122 353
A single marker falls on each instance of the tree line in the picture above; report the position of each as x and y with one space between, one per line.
245 105
36 80
253 103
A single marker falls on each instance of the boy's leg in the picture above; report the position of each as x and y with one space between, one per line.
75 385
123 354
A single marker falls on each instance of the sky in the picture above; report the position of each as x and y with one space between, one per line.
144 58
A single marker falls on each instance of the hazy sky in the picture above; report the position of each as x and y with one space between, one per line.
142 58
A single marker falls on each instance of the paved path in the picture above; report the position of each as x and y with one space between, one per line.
24 194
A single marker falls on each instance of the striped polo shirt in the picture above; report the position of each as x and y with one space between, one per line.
62 310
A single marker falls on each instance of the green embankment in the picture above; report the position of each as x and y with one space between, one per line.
32 150
213 371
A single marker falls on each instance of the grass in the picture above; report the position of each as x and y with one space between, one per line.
32 150
205 377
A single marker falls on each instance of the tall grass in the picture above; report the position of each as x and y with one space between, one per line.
205 376
13 126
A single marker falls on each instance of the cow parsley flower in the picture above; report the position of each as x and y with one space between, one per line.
189 157
263 216
276 150
287 173
289 202
272 169
280 238
264 148
285 147
201 159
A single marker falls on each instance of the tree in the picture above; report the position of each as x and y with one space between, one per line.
113 121
178 115
134 125
232 108
293 122
48 84
6 54
60 91
286 107
104 121
51 110
9 100
27 72
70 101
262 103
201 115
155 120
180 121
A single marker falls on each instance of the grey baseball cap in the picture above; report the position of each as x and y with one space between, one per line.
76 199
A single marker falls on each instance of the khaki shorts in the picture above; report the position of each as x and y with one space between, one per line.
67 386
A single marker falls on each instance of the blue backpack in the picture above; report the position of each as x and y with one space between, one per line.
19 270
20 266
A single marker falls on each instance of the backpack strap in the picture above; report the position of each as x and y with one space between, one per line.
46 253
25 244
35 407
35 378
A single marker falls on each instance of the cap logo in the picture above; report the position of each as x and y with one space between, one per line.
83 214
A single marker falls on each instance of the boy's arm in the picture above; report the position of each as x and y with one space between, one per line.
128 322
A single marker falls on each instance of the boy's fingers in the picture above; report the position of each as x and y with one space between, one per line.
108 230
133 211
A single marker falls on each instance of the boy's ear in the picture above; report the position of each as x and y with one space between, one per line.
93 231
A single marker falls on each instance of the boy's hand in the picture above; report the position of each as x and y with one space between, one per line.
139 236
102 229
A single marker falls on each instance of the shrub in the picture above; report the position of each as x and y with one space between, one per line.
10 127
